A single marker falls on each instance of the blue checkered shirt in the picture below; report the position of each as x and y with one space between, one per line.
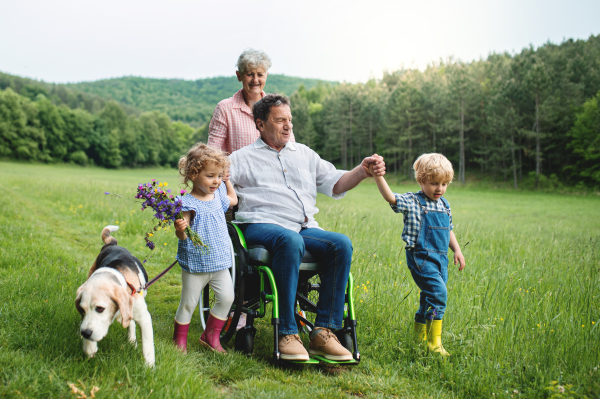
208 220
408 205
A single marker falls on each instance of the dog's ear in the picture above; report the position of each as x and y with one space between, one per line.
78 300
125 303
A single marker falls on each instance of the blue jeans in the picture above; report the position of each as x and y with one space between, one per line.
334 251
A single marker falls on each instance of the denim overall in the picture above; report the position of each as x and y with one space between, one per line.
428 261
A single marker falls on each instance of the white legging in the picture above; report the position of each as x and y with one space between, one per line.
191 288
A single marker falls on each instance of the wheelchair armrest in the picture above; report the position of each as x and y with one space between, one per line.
259 254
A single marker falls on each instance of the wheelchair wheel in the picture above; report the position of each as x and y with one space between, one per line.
310 290
244 340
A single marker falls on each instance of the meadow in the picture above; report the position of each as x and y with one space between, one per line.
522 319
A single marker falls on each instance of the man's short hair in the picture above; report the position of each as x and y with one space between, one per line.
262 108
433 167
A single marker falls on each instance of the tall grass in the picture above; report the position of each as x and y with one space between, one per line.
522 315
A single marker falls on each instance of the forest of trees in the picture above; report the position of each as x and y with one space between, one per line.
192 102
81 123
39 130
532 116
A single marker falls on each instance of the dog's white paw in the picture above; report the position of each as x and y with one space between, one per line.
150 361
90 347
131 333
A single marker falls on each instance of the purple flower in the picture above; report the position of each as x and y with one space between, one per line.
166 209
106 192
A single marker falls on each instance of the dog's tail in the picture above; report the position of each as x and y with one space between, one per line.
106 237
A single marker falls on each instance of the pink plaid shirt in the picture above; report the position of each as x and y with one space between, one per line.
232 126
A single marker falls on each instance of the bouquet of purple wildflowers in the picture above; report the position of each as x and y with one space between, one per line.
167 208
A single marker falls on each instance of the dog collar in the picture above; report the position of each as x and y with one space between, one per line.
134 290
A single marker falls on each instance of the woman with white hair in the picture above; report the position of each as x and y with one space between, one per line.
232 126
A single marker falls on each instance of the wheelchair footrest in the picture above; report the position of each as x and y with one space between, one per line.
309 361
325 360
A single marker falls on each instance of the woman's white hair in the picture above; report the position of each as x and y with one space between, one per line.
251 58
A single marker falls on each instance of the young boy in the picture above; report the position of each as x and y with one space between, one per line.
428 233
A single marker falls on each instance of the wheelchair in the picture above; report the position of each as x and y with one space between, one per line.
255 287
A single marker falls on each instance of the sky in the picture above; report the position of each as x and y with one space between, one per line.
81 40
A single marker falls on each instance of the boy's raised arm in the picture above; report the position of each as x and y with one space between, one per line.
383 187
385 190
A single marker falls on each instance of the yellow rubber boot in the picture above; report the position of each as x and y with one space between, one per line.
434 338
420 332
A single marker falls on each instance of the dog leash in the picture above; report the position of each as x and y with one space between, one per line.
159 276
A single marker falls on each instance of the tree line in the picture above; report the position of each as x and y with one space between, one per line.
532 115
528 117
40 130
81 123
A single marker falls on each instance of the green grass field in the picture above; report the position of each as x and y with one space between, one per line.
522 317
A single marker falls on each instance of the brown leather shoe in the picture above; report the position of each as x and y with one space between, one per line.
291 347
326 344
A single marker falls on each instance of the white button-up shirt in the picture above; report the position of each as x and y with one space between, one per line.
281 187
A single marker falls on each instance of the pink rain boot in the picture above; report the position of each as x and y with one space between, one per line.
180 335
210 336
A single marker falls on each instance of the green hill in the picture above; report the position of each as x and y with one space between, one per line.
189 101
59 94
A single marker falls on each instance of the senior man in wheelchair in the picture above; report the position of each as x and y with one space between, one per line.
277 182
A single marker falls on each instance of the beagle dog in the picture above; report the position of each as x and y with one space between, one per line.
114 290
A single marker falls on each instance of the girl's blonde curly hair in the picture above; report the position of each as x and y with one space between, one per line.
197 158
433 167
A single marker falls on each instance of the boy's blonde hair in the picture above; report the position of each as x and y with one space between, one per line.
197 158
433 167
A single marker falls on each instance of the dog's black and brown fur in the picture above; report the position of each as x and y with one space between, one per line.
114 290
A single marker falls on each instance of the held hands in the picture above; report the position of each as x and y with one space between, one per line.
373 165
371 170
459 258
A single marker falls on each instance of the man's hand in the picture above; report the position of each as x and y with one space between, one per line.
373 165
350 179
459 258
180 225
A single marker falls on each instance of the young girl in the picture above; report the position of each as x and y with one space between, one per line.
428 234
203 210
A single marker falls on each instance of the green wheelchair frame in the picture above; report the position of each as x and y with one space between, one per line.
255 288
